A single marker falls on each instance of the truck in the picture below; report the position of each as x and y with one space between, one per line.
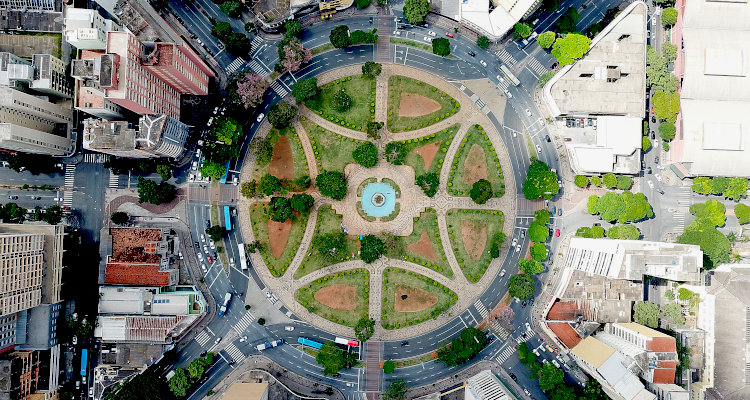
264 346
224 306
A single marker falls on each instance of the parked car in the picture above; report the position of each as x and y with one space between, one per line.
557 232
13 197
508 95
431 33
450 35
260 117
547 138
484 64
528 112
473 54
289 328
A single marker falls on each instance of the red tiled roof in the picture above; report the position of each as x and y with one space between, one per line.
565 333
129 245
135 274
662 345
668 364
664 375
562 311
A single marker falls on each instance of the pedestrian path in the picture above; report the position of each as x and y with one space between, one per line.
536 66
114 180
503 85
372 371
235 65
499 331
481 308
246 320
522 338
234 352
258 68
256 42
70 171
506 57
279 88
202 338
95 158
505 354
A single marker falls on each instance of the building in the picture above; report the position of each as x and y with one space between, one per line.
140 256
14 71
50 76
486 386
34 125
156 136
493 18
670 392
712 138
30 5
247 391
178 66
600 100
86 29
19 375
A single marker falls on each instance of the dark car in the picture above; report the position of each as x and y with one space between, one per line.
643 164
513 376
13 197
196 244
648 170
208 224
660 191
653 135
404 343
559 212
336 375
656 160
473 54
370 19
547 138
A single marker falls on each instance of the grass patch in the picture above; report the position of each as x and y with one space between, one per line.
530 147
419 45
259 218
332 150
394 185
393 278
362 91
476 135
402 84
322 48
298 154
364 184
428 221
494 222
444 137
393 214
328 222
359 278
415 360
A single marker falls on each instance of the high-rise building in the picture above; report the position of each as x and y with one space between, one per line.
178 66
30 5
19 375
86 29
486 386
155 136
33 124
50 76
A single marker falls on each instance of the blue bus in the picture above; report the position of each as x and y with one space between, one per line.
309 342
227 219
226 172
84 361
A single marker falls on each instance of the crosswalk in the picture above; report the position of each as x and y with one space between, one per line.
505 354
95 158
114 180
68 198
244 322
522 338
234 352
480 103
202 338
70 174
279 88
506 57
258 68
684 197
500 331
503 85
256 42
481 308
235 65
536 66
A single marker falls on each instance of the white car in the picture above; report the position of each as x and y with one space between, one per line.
235 181
260 117
658 177
289 328
195 165
528 112
502 273
203 238
539 149
191 178
427 39
212 245
205 248
651 184
500 78
203 267
200 257
231 260
484 64
518 248
510 96
431 33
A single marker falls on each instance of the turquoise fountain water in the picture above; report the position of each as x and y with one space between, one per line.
378 199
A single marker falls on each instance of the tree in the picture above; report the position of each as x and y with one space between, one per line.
483 42
396 390
339 37
497 241
567 23
373 128
673 311
231 8
215 232
366 155
122 218
624 182
720 184
610 180
645 144
332 358
646 313
714 244
545 77
525 355
364 329
238 44
53 215
463 348
221 30
441 46
581 181
626 231
331 184
481 191
371 248
395 153
540 182
342 102
521 286
702 185
280 115
165 171
711 213
179 383
429 183
623 207
305 89
151 192
415 11
570 47
538 252
542 216
737 189
302 202
546 39
13 212
213 169
667 131
668 16
292 28
550 376
362 3
143 386
538 232
532 267
389 366
280 209
742 212
196 367
592 390
595 232
292 54
251 90
227 130
521 30
269 185
666 105
372 69
669 51
332 246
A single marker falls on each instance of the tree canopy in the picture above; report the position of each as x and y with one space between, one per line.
667 131
332 358
231 8
371 248
122 218
364 329
569 48
668 16
546 39
292 54
531 267
305 89
395 153
567 22
550 376
415 11
483 42
441 46
666 105
212 169
621 207
151 192
626 231
540 182
371 68
301 202
429 183
463 348
646 313
144 386
521 30
396 390
521 286
542 216
702 231
292 28
331 184
742 212
481 191
332 246
538 252
339 37
280 115
538 232
280 209
215 232
366 155
581 181
595 232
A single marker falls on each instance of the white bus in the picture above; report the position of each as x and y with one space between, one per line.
243 257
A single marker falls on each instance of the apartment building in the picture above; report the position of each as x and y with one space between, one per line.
50 76
155 136
34 125
486 386
139 256
178 66
86 29
31 5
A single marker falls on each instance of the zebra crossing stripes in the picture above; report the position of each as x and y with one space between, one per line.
522 338
536 66
95 158
278 88
505 354
235 65
244 322
499 331
256 42
68 198
70 171
481 308
480 103
234 352
114 180
258 68
684 197
202 338
506 57
503 85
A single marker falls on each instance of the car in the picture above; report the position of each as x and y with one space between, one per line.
656 160
510 96
502 273
518 248
203 267
210 121
653 135
336 375
648 170
547 138
91 391
427 39
643 164
539 149
597 224
218 339
431 33
260 117
559 212
523 303
243 339
196 244
203 238
231 260
523 234
526 391
513 244
207 223
371 20
205 249
74 340
651 184
235 181
484 64
450 35
212 244
36 197
200 256
404 343
500 78
660 191
13 197
513 376
191 178
557 232
557 364
210 260
528 112
78 384
288 328
473 54
658 177
567 139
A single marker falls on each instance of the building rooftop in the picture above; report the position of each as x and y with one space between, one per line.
139 329
495 17
133 244
136 274
486 386
246 391
613 145
593 351
565 333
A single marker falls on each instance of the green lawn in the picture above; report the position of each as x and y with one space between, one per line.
444 137
328 222
259 219
494 222
332 150
359 278
428 221
362 91
476 135
395 278
401 84
419 45
298 154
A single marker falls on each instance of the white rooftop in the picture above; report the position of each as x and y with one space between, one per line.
496 23
617 143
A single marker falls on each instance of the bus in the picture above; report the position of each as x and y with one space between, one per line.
227 218
84 361
512 78
529 40
309 343
226 172
243 258
346 342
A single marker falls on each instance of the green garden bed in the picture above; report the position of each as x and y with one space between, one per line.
332 151
298 154
328 222
493 220
444 138
361 89
395 278
427 221
259 218
401 84
476 136
359 278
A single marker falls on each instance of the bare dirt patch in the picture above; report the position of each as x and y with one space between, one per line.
338 297
474 235
423 247
278 234
428 153
416 299
416 105
282 163
475 166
